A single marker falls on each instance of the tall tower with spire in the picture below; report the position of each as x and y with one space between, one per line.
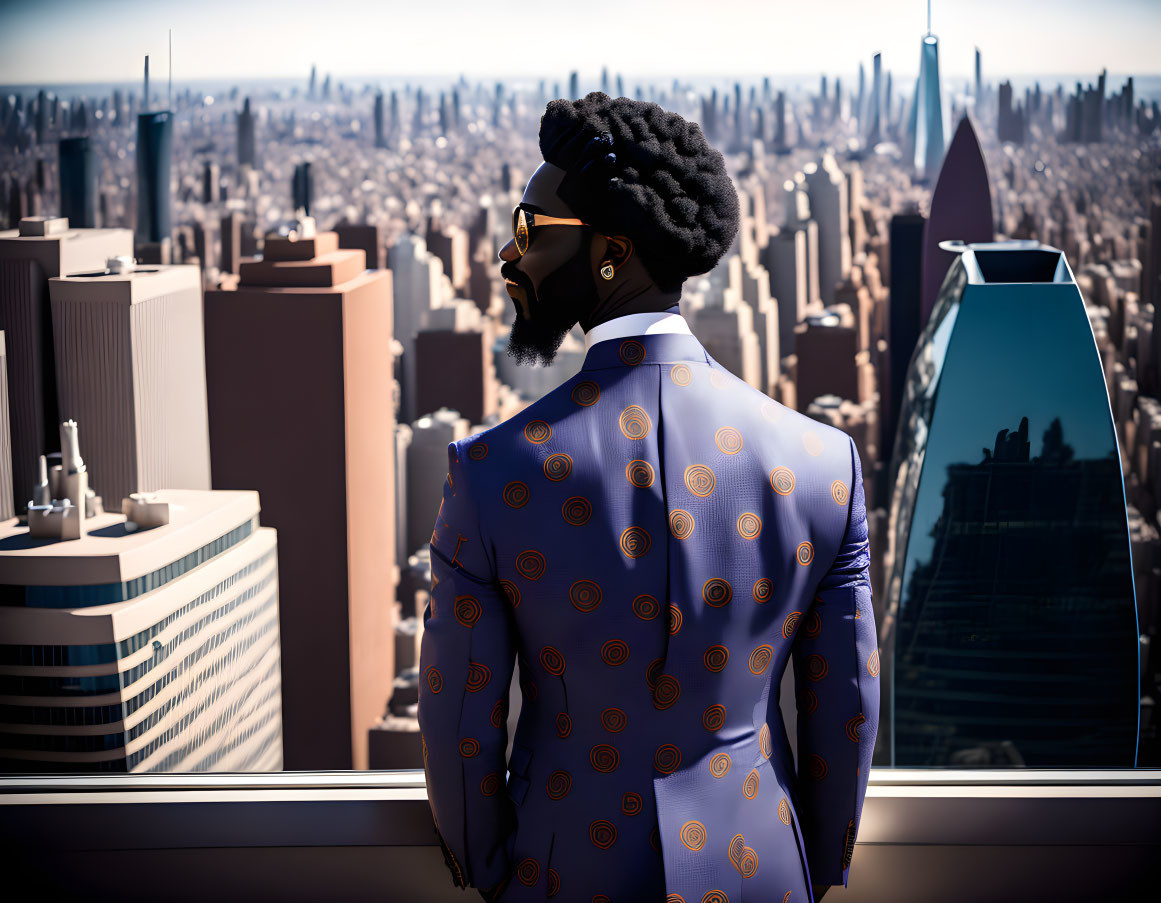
926 129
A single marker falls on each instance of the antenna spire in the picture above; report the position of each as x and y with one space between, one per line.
171 54
929 16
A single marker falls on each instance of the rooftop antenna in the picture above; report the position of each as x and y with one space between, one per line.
929 16
170 101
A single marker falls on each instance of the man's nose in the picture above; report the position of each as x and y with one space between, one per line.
508 253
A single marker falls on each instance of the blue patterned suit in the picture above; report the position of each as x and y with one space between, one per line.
652 539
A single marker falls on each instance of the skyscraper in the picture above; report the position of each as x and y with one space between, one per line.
1006 453
926 129
826 187
143 650
154 144
875 113
130 369
246 155
38 249
78 182
299 378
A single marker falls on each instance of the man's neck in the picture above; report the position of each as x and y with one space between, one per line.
633 297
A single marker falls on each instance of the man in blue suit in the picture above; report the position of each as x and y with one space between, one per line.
654 541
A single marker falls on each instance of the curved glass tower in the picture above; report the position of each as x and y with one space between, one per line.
1010 636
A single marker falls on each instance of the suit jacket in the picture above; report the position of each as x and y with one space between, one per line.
653 540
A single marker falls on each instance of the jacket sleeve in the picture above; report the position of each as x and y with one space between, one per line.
836 679
465 669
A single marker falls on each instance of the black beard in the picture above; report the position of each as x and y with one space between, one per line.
568 294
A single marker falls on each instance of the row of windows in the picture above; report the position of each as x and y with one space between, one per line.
193 742
110 593
70 716
258 751
30 685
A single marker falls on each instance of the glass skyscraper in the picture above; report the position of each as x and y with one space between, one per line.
1010 635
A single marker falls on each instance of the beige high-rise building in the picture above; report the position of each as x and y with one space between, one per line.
143 650
299 377
131 370
31 254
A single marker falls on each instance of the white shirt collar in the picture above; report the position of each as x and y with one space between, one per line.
638 324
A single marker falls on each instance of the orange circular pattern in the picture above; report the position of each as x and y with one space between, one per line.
813 625
478 451
646 607
600 898
604 758
873 664
478 676
434 679
667 758
812 443
716 591
807 702
693 835
728 440
632 352
839 492
530 564
760 658
585 595
635 541
750 785
748 865
674 619
653 672
490 784
576 510
680 374
720 765
537 431
715 896
613 720
671 898
586 393
749 525
734 850
818 768
516 494
680 523
764 739
558 466
553 882
631 803
816 667
528 686
469 746
639 473
498 712
853 727
551 660
559 784
784 811
805 553
790 623
603 833
528 871
782 479
763 589
615 652
634 422
714 718
468 610
700 480
715 657
771 411
667 691
563 725
511 592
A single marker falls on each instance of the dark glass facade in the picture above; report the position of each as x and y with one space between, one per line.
1011 630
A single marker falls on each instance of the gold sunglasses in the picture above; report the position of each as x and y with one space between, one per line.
524 221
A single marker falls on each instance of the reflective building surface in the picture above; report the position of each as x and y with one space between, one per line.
1011 632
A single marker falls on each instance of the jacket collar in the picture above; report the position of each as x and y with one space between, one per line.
644 323
647 348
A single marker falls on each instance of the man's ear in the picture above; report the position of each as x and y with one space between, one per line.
619 249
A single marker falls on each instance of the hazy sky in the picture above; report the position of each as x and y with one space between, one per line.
54 41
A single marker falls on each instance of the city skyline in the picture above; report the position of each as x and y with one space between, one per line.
93 44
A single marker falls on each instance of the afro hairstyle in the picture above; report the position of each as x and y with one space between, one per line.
635 169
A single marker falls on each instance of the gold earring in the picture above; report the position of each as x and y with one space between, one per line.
607 270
